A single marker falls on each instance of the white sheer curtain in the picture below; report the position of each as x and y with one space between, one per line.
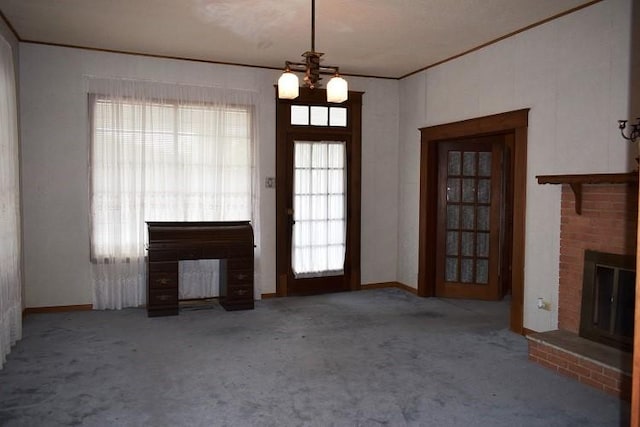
10 278
162 152
319 231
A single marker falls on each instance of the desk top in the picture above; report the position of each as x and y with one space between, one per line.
194 232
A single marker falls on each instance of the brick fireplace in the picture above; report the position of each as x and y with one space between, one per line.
608 223
598 213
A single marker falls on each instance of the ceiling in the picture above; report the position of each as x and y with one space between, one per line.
382 38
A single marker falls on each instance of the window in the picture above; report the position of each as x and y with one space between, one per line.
318 115
164 161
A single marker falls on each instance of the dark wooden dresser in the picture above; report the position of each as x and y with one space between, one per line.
171 242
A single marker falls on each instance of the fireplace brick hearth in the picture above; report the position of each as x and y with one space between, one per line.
605 368
599 215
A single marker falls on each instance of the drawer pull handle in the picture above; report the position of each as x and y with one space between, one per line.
241 276
164 297
164 281
241 292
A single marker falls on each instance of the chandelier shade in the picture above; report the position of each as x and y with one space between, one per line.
337 89
288 83
288 86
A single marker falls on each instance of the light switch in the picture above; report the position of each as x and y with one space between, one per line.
270 182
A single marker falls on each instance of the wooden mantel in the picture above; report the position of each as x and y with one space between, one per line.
576 182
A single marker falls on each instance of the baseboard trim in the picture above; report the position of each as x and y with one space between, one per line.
57 309
368 286
396 285
527 331
270 295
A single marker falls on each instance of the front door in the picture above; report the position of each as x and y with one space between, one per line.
317 194
471 212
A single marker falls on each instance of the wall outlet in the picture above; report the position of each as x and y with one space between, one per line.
270 182
543 305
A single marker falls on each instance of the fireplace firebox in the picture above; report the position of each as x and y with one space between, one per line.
608 298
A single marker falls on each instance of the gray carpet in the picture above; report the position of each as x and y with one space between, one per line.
370 358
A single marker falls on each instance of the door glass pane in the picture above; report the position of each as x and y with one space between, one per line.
452 243
453 190
466 271
319 200
299 115
302 183
302 157
319 156
484 191
469 190
451 269
467 244
482 271
335 158
319 116
453 166
483 218
335 181
468 218
338 116
453 216
469 164
484 164
482 244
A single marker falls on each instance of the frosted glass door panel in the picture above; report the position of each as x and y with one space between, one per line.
467 216
472 233
319 213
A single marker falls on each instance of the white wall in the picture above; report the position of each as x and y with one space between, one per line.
8 35
55 154
573 73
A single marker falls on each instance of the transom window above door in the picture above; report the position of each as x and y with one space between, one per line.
318 115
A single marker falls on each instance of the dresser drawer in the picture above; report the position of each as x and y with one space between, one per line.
240 263
239 277
163 279
160 297
240 292
189 253
239 251
162 255
168 267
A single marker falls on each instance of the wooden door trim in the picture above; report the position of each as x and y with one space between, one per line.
354 156
513 122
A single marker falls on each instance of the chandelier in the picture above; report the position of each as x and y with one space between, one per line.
288 83
635 130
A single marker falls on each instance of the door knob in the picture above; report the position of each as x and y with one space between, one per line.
290 214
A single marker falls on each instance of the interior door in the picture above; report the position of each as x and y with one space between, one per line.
317 212
470 218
